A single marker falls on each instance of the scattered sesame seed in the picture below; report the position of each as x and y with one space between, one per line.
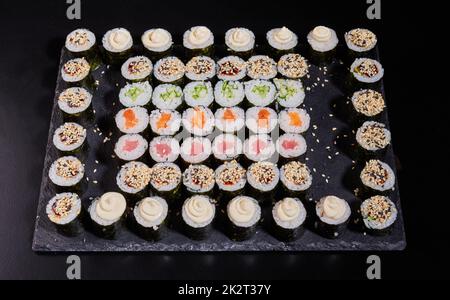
95 182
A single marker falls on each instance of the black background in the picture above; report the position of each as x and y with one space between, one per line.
32 34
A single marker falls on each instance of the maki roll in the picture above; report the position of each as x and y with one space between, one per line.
117 43
158 42
290 92
166 180
136 69
229 93
76 72
260 92
230 119
198 120
323 42
377 177
360 41
296 177
107 213
164 149
198 40
231 178
244 214
226 147
261 67
130 147
136 94
199 179
291 146
165 121
169 70
133 178
167 96
373 138
379 214
334 214
64 210
294 120
367 71
132 120
198 214
149 217
289 215
82 43
259 147
200 68
281 40
75 102
198 93
69 137
195 150
231 68
240 41
368 104
293 66
66 173
263 178
261 120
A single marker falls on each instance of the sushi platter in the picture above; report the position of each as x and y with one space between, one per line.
238 142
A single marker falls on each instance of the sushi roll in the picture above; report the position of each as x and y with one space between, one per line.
198 213
240 41
289 216
334 214
75 103
167 96
118 44
133 178
231 68
293 66
65 212
360 41
165 121
149 216
226 147
82 43
200 68
136 69
136 94
259 147
294 120
69 138
158 42
263 178
296 178
198 93
76 72
291 146
373 138
66 173
132 120
229 93
261 67
169 70
230 119
290 92
130 147
260 92
368 104
166 180
199 179
195 150
377 177
323 42
231 179
164 149
198 121
366 71
379 215
106 213
198 40
244 214
261 120
281 41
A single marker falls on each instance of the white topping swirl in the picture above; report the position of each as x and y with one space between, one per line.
111 206
150 209
288 210
241 209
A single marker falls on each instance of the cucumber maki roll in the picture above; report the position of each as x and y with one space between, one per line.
290 92
64 211
118 44
244 214
360 41
82 43
75 103
136 69
69 138
164 149
379 215
169 70
289 216
136 94
132 120
198 93
368 104
226 147
107 213
261 120
133 178
167 96
130 147
296 178
263 178
294 120
198 213
293 66
198 121
260 92
323 42
200 68
229 93
195 150
66 173
377 177
230 119
334 214
240 41
198 40
165 121
373 138
199 179
261 67
76 72
367 71
291 146
150 215
231 179
231 68
166 180
281 41
158 42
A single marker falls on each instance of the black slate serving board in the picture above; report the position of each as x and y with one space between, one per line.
330 157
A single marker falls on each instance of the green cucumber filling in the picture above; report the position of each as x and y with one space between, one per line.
134 93
170 94
285 91
199 91
228 89
261 90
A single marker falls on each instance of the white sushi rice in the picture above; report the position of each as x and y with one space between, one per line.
164 156
121 177
167 96
253 150
363 141
161 45
171 127
224 153
291 185
74 105
386 186
72 214
240 184
199 179
229 93
363 78
132 154
141 116
324 45
125 34
240 39
155 201
205 44
252 120
287 45
80 40
165 184
140 73
299 149
200 68
186 149
69 180
188 121
79 66
230 64
256 183
136 94
293 223
290 92
173 67
261 67
375 224
198 93
230 126
203 203
284 120
357 48
260 92
330 221
69 136
246 202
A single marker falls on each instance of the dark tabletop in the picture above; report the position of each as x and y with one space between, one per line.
32 35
